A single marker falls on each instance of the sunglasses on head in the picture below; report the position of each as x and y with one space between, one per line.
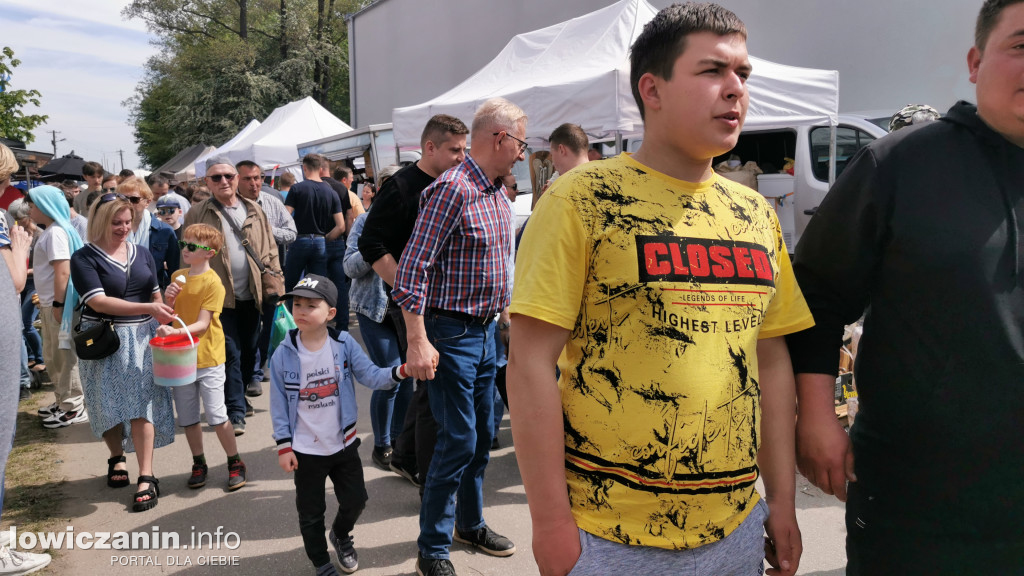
219 177
192 246
166 211
111 196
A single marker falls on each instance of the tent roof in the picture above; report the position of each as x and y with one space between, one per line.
200 163
578 71
182 160
274 142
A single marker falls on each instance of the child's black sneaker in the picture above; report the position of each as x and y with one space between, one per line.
198 478
327 570
236 475
347 557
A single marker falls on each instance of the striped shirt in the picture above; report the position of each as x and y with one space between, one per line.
458 256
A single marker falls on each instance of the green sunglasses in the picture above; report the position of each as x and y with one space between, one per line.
192 247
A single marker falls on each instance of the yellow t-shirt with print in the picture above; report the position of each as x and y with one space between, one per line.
203 292
666 287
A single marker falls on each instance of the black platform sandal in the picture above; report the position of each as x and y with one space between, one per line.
153 492
117 478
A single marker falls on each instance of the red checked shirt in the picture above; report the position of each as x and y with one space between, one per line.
458 256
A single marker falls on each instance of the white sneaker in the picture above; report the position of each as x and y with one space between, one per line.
5 537
61 419
47 411
17 562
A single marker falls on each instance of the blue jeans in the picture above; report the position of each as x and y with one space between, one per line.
336 272
25 380
387 407
305 256
500 361
29 313
462 400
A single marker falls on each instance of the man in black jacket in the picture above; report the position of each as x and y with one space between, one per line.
923 232
385 234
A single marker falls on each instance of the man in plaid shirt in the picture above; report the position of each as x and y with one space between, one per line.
453 279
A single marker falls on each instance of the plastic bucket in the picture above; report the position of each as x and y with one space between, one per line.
174 359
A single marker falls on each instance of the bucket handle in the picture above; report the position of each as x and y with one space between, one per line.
187 333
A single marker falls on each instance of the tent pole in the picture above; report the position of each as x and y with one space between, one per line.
831 156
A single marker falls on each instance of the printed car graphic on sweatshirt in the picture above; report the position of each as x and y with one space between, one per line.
317 389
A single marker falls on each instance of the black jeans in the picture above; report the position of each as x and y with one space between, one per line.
241 331
346 473
414 447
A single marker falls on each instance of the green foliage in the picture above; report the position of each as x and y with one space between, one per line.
14 123
225 62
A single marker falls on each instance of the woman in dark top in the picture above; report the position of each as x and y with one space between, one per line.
116 279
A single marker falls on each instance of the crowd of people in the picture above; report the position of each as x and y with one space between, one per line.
657 348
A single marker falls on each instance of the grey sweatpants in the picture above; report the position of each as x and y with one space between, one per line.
738 554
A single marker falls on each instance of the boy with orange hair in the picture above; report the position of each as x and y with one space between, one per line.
197 295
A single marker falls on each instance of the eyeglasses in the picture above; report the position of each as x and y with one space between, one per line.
165 211
522 144
515 187
192 246
219 177
132 199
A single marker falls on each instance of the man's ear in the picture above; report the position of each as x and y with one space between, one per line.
973 63
647 86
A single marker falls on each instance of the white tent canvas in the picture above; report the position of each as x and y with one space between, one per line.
578 71
274 142
200 163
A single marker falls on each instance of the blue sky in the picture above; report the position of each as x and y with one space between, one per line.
85 60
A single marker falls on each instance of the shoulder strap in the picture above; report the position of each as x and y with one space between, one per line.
238 234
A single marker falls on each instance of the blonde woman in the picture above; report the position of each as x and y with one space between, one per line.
117 280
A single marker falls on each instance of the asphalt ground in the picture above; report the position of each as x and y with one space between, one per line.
258 525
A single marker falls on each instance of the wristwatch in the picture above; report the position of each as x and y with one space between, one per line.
504 325
58 304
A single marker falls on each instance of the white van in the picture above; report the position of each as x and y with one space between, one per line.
797 195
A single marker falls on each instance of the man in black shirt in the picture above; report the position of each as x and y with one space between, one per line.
319 219
386 232
336 248
922 231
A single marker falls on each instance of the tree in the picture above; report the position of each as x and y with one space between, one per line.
14 123
225 62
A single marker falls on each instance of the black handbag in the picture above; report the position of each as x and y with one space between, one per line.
101 340
97 342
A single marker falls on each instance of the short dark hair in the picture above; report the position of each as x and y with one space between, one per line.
571 136
125 173
988 18
248 164
92 169
342 172
107 176
439 127
156 179
664 39
311 161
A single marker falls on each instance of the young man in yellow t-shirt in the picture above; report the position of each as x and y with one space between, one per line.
663 292
197 295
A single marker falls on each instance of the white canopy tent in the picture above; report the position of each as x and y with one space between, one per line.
578 71
200 163
274 143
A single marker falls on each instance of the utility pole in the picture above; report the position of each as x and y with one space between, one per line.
54 141
121 152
